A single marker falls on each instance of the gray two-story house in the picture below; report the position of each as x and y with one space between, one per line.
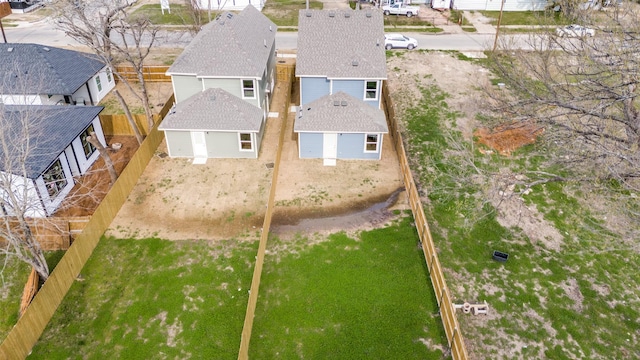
235 54
340 64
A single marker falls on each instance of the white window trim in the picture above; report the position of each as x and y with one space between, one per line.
255 90
109 75
377 90
377 143
240 141
98 83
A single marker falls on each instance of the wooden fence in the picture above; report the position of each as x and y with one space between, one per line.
54 233
30 326
119 124
285 75
150 73
445 302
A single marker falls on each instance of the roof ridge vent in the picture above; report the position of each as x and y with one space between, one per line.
344 103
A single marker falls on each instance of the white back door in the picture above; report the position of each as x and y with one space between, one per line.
199 144
330 149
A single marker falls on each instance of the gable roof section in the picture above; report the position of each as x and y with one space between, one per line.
214 110
341 44
340 113
233 45
49 130
28 69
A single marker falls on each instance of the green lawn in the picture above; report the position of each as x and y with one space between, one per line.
285 12
363 297
343 298
526 17
12 280
140 299
577 300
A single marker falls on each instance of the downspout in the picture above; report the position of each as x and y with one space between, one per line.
89 91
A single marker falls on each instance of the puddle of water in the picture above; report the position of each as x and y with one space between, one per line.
372 215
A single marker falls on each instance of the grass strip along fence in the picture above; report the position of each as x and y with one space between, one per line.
443 295
284 78
29 328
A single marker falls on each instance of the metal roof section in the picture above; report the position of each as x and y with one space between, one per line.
341 44
46 129
29 69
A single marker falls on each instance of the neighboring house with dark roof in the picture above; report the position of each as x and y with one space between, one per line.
214 117
236 54
32 74
41 159
333 58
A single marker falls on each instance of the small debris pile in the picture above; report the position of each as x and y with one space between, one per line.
507 138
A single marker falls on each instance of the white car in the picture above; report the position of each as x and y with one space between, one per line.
575 31
399 41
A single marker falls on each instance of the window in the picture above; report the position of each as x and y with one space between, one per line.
54 179
245 142
86 145
248 89
98 83
371 90
109 78
371 143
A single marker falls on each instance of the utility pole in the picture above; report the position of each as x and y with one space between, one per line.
495 42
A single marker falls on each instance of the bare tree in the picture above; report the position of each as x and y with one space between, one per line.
93 22
16 203
584 91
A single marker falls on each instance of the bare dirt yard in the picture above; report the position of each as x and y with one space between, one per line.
226 198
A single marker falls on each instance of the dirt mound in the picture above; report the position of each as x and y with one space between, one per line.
507 138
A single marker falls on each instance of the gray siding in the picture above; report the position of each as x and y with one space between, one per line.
351 146
260 135
313 88
354 88
226 145
232 86
179 143
185 86
310 145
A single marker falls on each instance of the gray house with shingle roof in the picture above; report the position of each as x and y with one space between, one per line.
32 74
54 155
341 58
234 132
236 54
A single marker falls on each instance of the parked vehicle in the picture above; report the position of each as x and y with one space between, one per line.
399 41
400 9
575 31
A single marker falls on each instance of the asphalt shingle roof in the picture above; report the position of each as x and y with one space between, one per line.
37 69
340 113
48 131
233 45
214 110
332 42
